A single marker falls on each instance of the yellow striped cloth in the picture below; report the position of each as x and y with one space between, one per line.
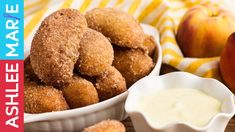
163 14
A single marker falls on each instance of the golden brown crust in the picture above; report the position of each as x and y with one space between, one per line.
80 92
55 46
121 28
40 98
133 64
110 84
96 54
28 71
106 126
149 43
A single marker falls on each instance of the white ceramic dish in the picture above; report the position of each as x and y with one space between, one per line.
180 80
80 118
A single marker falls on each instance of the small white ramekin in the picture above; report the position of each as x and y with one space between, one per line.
80 118
180 80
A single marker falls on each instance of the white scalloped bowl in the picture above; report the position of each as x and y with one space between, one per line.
80 118
151 84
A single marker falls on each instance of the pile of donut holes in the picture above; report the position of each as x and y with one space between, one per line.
77 60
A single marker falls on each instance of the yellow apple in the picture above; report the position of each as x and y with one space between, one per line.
227 63
204 30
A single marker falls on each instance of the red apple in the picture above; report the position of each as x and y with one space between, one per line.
227 63
204 30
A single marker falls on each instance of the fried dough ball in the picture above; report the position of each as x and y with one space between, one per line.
149 43
120 27
133 64
110 84
80 92
40 98
28 71
106 126
96 54
55 46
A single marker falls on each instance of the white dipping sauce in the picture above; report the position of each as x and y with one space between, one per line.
184 105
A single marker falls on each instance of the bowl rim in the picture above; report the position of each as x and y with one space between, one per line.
74 112
28 118
171 124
